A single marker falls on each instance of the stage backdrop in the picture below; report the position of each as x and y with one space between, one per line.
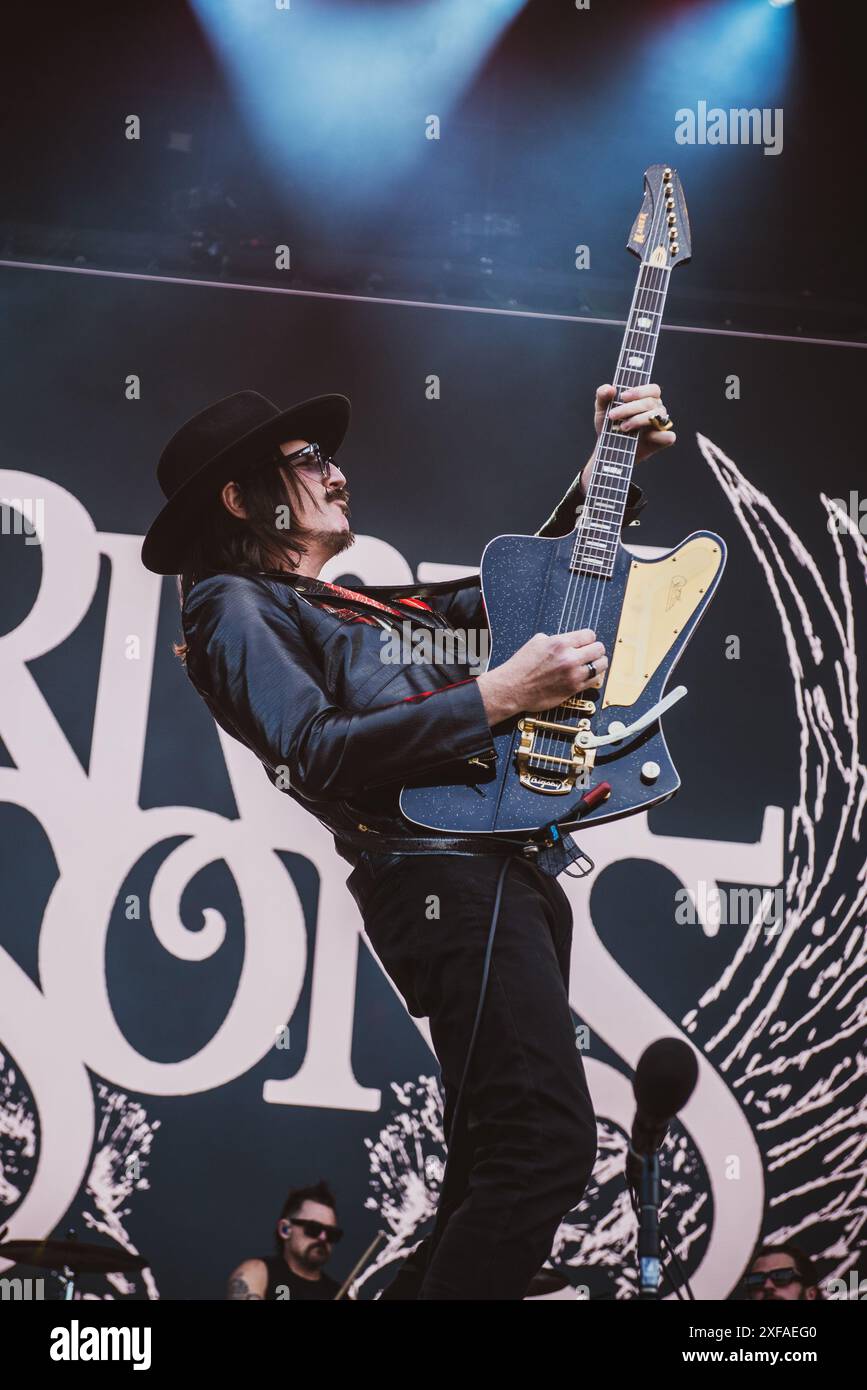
192 1020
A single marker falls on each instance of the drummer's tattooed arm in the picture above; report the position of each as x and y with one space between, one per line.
249 1280
239 1289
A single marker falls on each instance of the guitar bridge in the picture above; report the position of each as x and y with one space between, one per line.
542 766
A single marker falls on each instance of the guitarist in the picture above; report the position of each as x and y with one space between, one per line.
292 667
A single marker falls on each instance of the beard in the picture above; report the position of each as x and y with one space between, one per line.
314 1257
335 542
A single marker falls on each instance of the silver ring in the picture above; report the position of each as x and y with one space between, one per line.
591 668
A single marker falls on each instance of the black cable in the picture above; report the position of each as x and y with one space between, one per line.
680 1269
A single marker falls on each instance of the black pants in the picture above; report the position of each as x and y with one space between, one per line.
525 1142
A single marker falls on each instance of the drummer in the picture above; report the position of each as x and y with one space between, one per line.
306 1233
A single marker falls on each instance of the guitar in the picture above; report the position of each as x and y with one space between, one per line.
644 611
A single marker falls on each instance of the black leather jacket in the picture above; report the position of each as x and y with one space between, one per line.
307 688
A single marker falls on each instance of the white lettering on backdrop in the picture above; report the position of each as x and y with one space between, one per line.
97 831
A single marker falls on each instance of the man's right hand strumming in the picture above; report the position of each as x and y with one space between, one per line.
542 674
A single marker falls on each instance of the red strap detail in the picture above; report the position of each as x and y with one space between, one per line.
375 603
423 694
349 615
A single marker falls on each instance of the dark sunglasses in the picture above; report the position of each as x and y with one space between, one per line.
781 1277
310 460
312 1228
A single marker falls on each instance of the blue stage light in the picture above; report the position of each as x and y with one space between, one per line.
340 94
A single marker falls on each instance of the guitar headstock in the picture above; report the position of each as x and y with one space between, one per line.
660 234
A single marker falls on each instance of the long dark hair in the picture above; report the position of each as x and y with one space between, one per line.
247 545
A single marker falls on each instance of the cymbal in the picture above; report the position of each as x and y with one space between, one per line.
545 1281
75 1255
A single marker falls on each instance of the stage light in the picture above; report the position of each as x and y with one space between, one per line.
341 95
732 51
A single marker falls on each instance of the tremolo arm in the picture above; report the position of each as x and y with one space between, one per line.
618 732
545 771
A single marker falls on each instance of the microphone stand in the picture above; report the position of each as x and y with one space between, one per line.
649 1268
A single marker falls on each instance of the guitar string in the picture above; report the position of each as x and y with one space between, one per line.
620 492
577 589
582 580
646 290
585 582
640 306
654 286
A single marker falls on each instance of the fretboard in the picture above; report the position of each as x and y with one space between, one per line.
598 531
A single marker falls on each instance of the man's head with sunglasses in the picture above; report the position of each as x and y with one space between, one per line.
781 1273
307 1230
316 507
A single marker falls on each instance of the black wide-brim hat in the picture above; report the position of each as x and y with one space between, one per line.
215 446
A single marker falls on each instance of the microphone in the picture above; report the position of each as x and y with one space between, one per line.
665 1078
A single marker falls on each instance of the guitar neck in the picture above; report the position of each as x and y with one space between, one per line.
602 518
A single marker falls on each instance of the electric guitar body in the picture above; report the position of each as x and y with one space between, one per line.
651 610
643 611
